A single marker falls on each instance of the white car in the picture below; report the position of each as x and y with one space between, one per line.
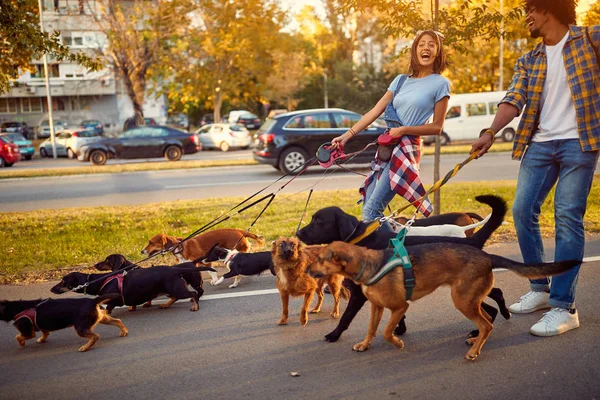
68 142
224 136
43 129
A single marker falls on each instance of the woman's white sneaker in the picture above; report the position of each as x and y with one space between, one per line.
555 322
530 302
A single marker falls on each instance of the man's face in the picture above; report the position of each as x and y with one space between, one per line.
535 21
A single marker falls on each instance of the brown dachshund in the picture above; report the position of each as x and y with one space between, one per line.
467 270
290 259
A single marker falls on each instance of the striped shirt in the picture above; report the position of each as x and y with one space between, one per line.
583 76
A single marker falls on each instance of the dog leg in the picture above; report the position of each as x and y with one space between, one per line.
22 338
336 287
471 308
357 300
214 277
44 337
285 301
308 298
320 297
147 304
376 314
388 333
497 295
91 336
219 281
168 304
236 282
488 312
108 320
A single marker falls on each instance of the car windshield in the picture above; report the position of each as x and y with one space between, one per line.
248 116
11 124
267 125
237 128
90 123
56 122
86 133
5 139
15 136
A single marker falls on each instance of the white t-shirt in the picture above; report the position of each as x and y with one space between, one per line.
557 119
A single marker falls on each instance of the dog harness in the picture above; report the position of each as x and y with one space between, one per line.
29 314
119 278
399 258
229 257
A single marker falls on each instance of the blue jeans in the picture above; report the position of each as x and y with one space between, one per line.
545 164
377 196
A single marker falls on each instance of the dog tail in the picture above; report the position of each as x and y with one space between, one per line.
534 271
107 297
499 209
475 216
260 240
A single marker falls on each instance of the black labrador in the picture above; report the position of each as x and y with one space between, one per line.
239 263
138 286
332 224
31 316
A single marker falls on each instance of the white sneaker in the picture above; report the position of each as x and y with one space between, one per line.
530 302
555 322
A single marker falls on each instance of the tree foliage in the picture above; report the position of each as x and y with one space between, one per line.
592 17
22 40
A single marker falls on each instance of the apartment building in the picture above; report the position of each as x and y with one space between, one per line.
76 93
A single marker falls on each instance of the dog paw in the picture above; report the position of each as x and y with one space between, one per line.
124 333
218 281
21 342
147 305
334 314
40 341
132 308
362 346
471 341
282 321
398 343
213 282
471 356
304 319
194 308
163 306
332 337
233 286
83 348
315 311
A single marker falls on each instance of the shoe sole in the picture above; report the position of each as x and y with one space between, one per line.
548 334
542 307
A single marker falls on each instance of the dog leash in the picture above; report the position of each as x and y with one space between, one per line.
374 225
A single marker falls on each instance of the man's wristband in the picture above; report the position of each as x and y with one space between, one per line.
490 131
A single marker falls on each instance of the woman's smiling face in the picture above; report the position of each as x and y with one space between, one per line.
427 50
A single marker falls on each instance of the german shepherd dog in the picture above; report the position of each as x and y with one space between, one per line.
290 259
466 269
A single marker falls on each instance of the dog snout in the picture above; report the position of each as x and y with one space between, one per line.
59 288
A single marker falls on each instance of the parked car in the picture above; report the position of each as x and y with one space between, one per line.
468 114
43 129
18 127
277 111
288 140
94 125
69 142
249 120
25 145
9 152
207 119
150 121
142 142
224 136
234 115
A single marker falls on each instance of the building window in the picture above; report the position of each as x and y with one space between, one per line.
53 71
8 106
58 104
31 105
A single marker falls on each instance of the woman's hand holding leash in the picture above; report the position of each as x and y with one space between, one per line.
341 141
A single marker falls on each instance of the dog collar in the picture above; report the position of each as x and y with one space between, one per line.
178 248
360 272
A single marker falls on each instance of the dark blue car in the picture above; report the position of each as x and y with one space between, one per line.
142 142
94 125
289 140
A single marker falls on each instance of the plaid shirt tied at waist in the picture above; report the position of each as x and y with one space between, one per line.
404 173
583 76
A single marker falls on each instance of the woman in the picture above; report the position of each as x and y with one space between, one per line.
408 103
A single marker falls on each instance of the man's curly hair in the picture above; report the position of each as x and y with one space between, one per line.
563 10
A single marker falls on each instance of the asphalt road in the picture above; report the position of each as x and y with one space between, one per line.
232 349
159 186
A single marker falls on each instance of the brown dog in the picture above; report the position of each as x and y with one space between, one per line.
200 245
290 259
467 270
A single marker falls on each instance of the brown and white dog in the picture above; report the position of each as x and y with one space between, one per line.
198 246
290 260
465 269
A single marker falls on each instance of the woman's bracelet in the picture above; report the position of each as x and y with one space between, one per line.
352 132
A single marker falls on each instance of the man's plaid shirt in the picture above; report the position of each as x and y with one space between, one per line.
583 75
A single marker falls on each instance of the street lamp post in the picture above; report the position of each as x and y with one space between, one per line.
48 94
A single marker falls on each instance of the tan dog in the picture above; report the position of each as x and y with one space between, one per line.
290 259
467 270
200 245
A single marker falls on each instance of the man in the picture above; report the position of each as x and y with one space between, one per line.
558 86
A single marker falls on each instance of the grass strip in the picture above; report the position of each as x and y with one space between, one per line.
39 245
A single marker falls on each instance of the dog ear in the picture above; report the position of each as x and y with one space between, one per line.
347 224
273 246
163 239
327 254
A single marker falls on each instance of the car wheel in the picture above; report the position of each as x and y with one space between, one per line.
43 153
8 164
173 153
70 154
98 157
291 159
28 157
224 146
2 162
444 139
508 135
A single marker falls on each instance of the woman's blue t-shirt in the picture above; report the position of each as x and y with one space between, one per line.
416 99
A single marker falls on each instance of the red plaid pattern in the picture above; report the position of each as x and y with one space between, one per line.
404 173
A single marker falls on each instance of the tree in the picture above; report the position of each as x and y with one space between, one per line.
22 40
140 33
592 17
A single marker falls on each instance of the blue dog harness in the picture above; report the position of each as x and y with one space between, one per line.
399 258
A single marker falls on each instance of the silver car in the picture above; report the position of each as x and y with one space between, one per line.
68 142
224 136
